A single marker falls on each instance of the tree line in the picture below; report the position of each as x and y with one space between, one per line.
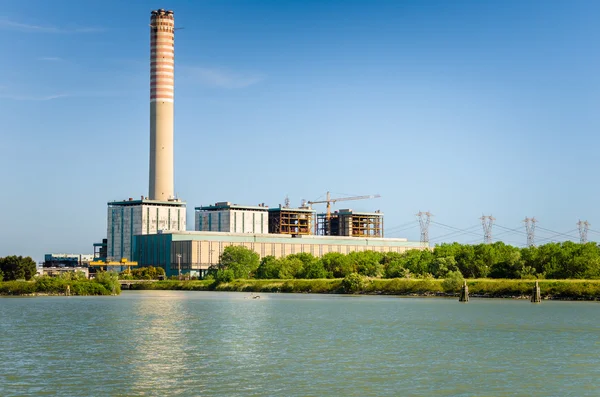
565 260
17 268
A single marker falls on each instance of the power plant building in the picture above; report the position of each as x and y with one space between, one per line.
347 222
200 250
152 230
161 211
232 218
137 217
292 221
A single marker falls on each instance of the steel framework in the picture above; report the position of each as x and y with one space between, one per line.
530 229
487 222
424 220
583 231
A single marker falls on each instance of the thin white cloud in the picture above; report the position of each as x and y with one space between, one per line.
7 24
49 97
32 97
220 77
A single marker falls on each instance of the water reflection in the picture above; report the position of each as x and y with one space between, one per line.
212 344
158 347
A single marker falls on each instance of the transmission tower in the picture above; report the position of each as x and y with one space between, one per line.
530 228
487 222
583 231
424 219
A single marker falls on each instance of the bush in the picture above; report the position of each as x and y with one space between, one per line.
110 281
224 276
453 281
354 283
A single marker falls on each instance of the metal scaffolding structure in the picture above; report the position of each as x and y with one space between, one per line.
351 224
294 221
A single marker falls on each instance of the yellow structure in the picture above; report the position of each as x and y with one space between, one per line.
113 265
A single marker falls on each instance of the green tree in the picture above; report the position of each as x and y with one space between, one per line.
418 262
338 265
17 267
507 262
146 273
396 269
241 260
224 276
290 267
268 268
110 280
367 263
314 269
441 266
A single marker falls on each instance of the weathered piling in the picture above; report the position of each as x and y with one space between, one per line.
536 296
464 293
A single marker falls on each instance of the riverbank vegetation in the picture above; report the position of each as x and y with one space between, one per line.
105 283
143 273
492 270
357 284
565 260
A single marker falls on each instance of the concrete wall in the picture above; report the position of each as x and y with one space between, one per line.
232 221
126 221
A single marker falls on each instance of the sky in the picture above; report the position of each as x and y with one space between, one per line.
461 108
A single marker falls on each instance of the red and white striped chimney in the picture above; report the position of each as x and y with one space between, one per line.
162 61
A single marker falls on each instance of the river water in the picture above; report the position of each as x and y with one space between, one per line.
172 343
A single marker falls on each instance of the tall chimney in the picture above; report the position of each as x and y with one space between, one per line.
162 53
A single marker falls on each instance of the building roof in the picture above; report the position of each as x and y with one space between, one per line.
282 238
226 205
305 210
132 202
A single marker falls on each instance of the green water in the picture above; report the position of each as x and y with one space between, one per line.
171 343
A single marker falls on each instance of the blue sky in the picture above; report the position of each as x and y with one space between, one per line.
461 108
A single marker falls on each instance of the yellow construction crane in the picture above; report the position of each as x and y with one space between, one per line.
329 201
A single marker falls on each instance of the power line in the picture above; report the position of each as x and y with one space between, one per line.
512 230
547 239
408 225
456 232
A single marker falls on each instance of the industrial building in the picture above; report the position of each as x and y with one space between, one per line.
67 260
161 211
292 221
152 230
232 218
349 223
133 217
195 252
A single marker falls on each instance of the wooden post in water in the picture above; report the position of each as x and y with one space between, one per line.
536 296
464 293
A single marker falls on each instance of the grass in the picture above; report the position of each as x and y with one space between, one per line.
491 288
58 286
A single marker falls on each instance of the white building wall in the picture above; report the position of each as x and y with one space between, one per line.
232 221
126 221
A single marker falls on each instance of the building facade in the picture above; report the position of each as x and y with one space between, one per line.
132 217
195 252
232 218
